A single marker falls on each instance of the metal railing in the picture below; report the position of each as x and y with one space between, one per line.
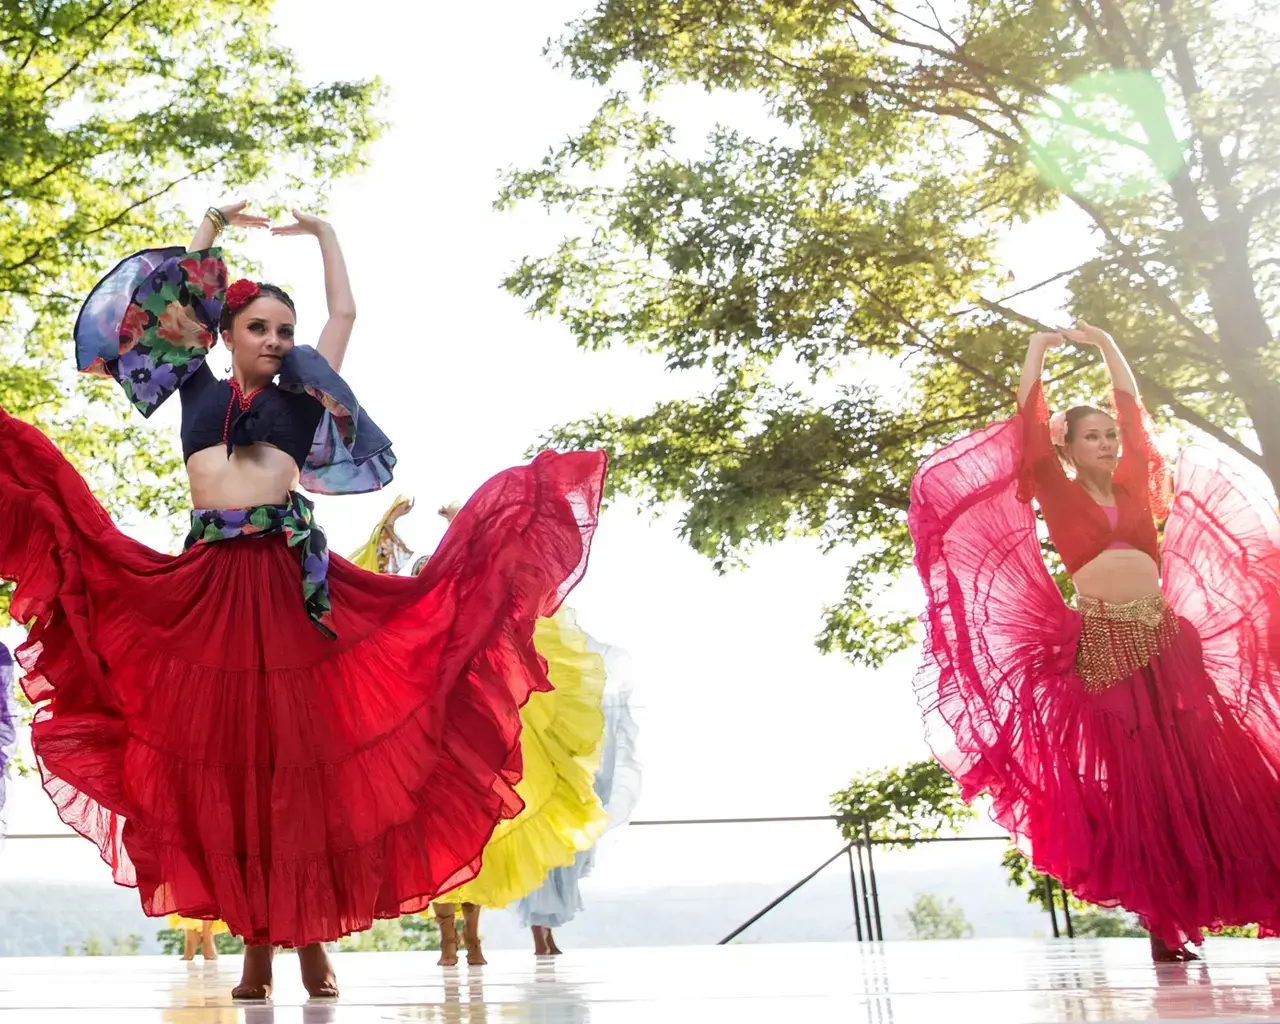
858 855
864 890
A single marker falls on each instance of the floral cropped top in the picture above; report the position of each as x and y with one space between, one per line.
1079 527
150 325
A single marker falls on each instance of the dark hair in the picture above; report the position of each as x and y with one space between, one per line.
229 315
1078 412
1073 416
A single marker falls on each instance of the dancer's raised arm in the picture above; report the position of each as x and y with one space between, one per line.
218 218
1122 378
336 333
1033 367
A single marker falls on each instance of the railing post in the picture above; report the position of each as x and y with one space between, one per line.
875 889
866 898
853 887
1051 903
773 903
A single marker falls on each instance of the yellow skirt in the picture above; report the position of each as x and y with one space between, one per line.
187 924
562 742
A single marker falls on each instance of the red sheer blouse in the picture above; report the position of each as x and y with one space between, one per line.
1078 526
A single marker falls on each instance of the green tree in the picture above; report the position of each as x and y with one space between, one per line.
126 945
411 931
915 802
172 941
1104 923
932 918
861 230
1248 931
95 945
227 944
110 108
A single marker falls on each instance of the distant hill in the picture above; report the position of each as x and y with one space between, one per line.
44 919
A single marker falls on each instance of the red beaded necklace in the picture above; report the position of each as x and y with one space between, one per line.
238 398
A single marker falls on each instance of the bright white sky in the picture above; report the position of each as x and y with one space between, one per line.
741 715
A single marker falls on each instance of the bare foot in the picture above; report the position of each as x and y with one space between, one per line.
539 941
552 948
317 971
255 979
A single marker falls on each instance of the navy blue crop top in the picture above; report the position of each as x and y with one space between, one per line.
150 324
213 414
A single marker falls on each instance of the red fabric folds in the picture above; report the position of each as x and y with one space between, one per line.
232 762
1160 793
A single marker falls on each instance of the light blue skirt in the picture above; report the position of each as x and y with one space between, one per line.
617 783
8 727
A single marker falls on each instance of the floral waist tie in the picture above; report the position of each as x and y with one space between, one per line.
296 521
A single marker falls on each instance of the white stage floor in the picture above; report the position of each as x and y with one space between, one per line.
991 982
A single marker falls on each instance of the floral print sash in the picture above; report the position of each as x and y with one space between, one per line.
296 520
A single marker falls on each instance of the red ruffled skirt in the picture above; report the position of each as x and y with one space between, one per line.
231 761
1159 791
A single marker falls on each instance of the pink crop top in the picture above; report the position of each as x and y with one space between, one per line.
1113 517
1079 527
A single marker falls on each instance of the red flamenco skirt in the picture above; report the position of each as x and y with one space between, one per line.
1154 788
233 763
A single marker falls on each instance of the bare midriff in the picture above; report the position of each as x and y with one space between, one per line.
1117 576
254 474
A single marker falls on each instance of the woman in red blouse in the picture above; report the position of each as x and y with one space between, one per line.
1130 742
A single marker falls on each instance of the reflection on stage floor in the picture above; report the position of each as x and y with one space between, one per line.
990 981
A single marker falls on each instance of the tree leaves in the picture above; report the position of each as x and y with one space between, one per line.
860 243
905 805
108 107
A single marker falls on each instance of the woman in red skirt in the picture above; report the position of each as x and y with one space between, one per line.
255 731
1130 743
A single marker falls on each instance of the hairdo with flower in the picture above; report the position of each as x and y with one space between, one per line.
1058 428
241 294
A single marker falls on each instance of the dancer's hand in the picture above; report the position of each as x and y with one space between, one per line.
1047 340
303 224
401 510
236 216
450 512
1087 334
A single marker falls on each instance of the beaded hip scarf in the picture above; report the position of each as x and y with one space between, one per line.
1117 640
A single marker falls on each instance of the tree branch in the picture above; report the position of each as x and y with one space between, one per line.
34 255
928 342
1184 412
1224 190
79 61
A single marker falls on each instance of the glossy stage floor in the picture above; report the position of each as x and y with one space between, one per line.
991 982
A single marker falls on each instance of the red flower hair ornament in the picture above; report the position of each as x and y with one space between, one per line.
241 294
